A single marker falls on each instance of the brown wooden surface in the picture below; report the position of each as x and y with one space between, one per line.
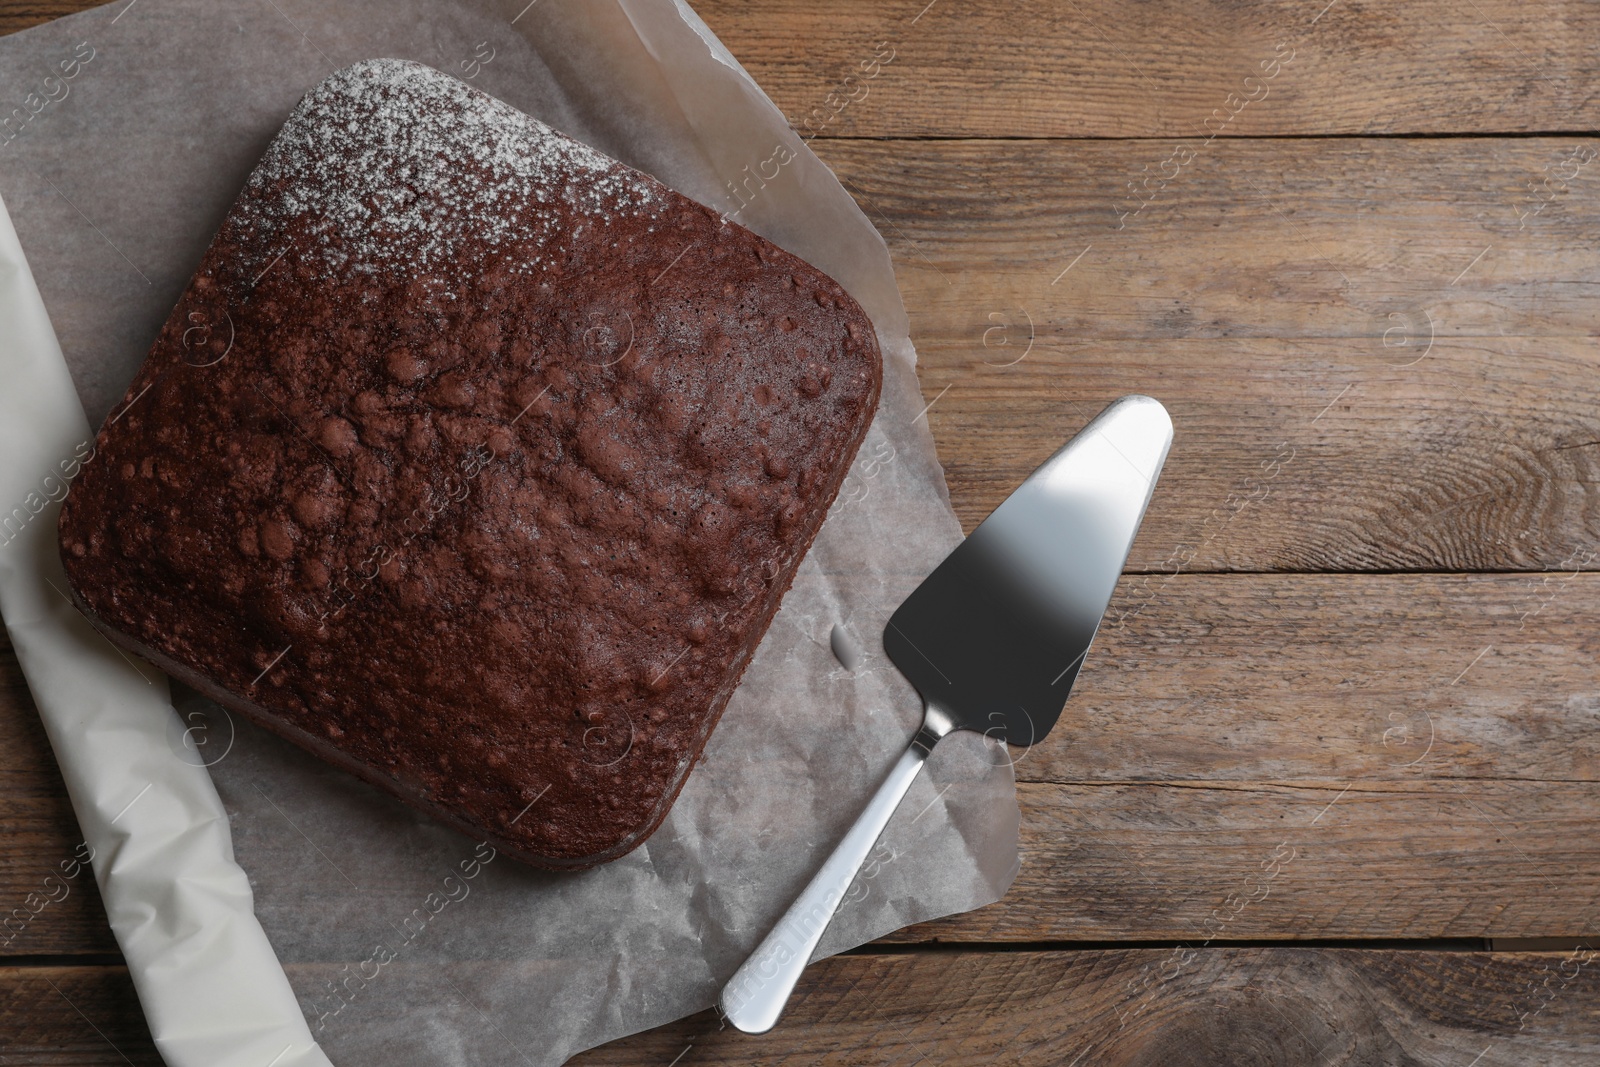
1257 290
1349 690
1154 1007
1126 68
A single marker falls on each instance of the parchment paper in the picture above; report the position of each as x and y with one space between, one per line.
405 943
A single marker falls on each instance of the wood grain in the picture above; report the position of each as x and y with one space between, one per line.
78 1016
1277 1007
1378 678
1123 68
1273 860
16 15
1304 454
1126 68
1309 237
1282 1007
1367 368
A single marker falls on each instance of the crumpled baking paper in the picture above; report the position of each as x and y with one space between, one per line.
403 942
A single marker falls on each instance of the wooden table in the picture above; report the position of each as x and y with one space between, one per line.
1327 792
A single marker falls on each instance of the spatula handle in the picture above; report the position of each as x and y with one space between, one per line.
754 997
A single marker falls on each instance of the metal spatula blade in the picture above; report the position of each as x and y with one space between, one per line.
993 640
995 636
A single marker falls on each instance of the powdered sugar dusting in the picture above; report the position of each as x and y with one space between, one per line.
397 167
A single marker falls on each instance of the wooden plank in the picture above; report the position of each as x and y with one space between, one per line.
1313 237
82 1016
1199 861
1284 1007
16 15
1304 455
1280 1006
1124 68
1404 679
1380 370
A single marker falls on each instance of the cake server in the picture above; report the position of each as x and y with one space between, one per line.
993 640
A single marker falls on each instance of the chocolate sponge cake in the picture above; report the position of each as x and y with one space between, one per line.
474 462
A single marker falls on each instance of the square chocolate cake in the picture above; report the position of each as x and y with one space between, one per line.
474 462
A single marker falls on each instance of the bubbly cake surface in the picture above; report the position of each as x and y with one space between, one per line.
474 461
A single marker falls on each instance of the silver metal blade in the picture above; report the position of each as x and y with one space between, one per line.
996 635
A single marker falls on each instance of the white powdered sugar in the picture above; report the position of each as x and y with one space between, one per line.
396 167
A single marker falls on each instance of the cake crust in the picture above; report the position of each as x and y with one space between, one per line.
473 461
